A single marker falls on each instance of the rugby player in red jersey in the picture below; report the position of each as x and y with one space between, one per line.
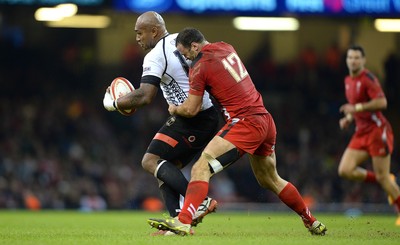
249 128
373 137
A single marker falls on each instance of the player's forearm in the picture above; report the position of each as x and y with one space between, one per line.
189 108
133 100
372 105
185 111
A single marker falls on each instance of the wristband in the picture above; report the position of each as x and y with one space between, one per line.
359 107
349 117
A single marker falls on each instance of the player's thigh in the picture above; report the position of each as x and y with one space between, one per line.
218 146
351 159
215 148
263 166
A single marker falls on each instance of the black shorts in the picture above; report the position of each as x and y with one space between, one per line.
181 139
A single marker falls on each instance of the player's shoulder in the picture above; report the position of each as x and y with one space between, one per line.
224 47
216 47
166 43
369 76
154 55
220 44
171 38
163 48
218 50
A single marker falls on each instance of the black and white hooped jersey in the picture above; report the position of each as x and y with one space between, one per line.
165 62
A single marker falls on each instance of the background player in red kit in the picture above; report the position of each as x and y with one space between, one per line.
373 137
249 129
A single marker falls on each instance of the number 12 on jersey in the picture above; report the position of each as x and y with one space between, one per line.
235 67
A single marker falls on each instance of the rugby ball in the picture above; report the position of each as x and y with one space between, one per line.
118 88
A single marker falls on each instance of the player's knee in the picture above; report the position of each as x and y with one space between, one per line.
381 178
146 165
342 173
269 181
201 166
346 173
263 183
149 163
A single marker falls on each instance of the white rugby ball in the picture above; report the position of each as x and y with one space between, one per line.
118 88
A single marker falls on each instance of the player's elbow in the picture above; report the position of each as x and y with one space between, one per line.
146 100
382 103
191 113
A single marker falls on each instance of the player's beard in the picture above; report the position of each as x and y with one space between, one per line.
356 71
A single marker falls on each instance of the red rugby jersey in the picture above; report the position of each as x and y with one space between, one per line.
219 70
361 89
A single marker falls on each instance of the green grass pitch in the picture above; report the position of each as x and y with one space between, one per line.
221 228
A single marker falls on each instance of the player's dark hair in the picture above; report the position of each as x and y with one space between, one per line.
357 48
189 35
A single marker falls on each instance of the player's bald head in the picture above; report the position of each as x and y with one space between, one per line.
150 19
150 28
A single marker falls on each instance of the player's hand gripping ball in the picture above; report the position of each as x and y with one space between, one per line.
119 87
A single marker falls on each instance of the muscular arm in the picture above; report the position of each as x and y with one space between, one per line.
189 108
377 104
140 97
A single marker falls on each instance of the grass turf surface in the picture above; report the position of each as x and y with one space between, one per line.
130 227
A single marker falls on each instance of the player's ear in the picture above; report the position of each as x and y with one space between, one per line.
195 46
154 31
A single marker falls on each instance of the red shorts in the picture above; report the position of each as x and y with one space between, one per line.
378 142
254 134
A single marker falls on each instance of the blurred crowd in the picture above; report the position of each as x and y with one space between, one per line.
60 149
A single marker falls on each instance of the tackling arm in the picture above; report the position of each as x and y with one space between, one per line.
189 108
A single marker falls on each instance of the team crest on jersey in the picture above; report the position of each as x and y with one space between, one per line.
358 87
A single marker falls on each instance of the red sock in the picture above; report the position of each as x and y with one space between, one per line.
195 195
292 198
370 178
